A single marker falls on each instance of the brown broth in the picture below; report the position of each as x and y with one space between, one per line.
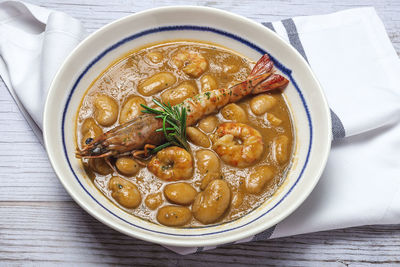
121 81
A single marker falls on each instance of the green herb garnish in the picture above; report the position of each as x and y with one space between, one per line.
174 124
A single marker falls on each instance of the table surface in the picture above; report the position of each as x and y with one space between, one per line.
40 223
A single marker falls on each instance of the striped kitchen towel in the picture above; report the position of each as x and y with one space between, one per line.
349 52
359 70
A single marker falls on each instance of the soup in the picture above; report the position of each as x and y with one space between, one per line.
237 152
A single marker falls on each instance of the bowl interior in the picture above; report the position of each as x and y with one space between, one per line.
306 102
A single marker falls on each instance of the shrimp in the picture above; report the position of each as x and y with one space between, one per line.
172 164
238 144
125 138
261 79
192 63
141 132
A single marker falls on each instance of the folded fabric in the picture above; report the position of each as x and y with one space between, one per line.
352 57
34 42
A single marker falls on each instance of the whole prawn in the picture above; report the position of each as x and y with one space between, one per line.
140 133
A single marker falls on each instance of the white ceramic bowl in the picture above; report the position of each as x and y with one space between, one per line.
308 106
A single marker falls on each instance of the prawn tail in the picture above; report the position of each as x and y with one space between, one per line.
262 78
256 85
263 65
274 81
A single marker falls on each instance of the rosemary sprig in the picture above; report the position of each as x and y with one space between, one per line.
174 124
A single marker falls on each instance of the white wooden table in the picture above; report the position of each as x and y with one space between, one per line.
40 223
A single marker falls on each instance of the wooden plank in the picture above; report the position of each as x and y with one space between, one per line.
71 236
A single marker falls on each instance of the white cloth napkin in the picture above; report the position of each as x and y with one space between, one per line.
352 57
34 41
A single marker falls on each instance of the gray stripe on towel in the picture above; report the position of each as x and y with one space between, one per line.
338 130
293 35
264 235
199 249
269 26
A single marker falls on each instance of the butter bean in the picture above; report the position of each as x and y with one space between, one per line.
174 215
255 182
124 192
154 200
106 110
178 94
208 83
212 203
262 103
273 119
281 148
197 137
127 166
131 108
207 162
234 113
155 57
100 166
180 193
156 83
208 124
